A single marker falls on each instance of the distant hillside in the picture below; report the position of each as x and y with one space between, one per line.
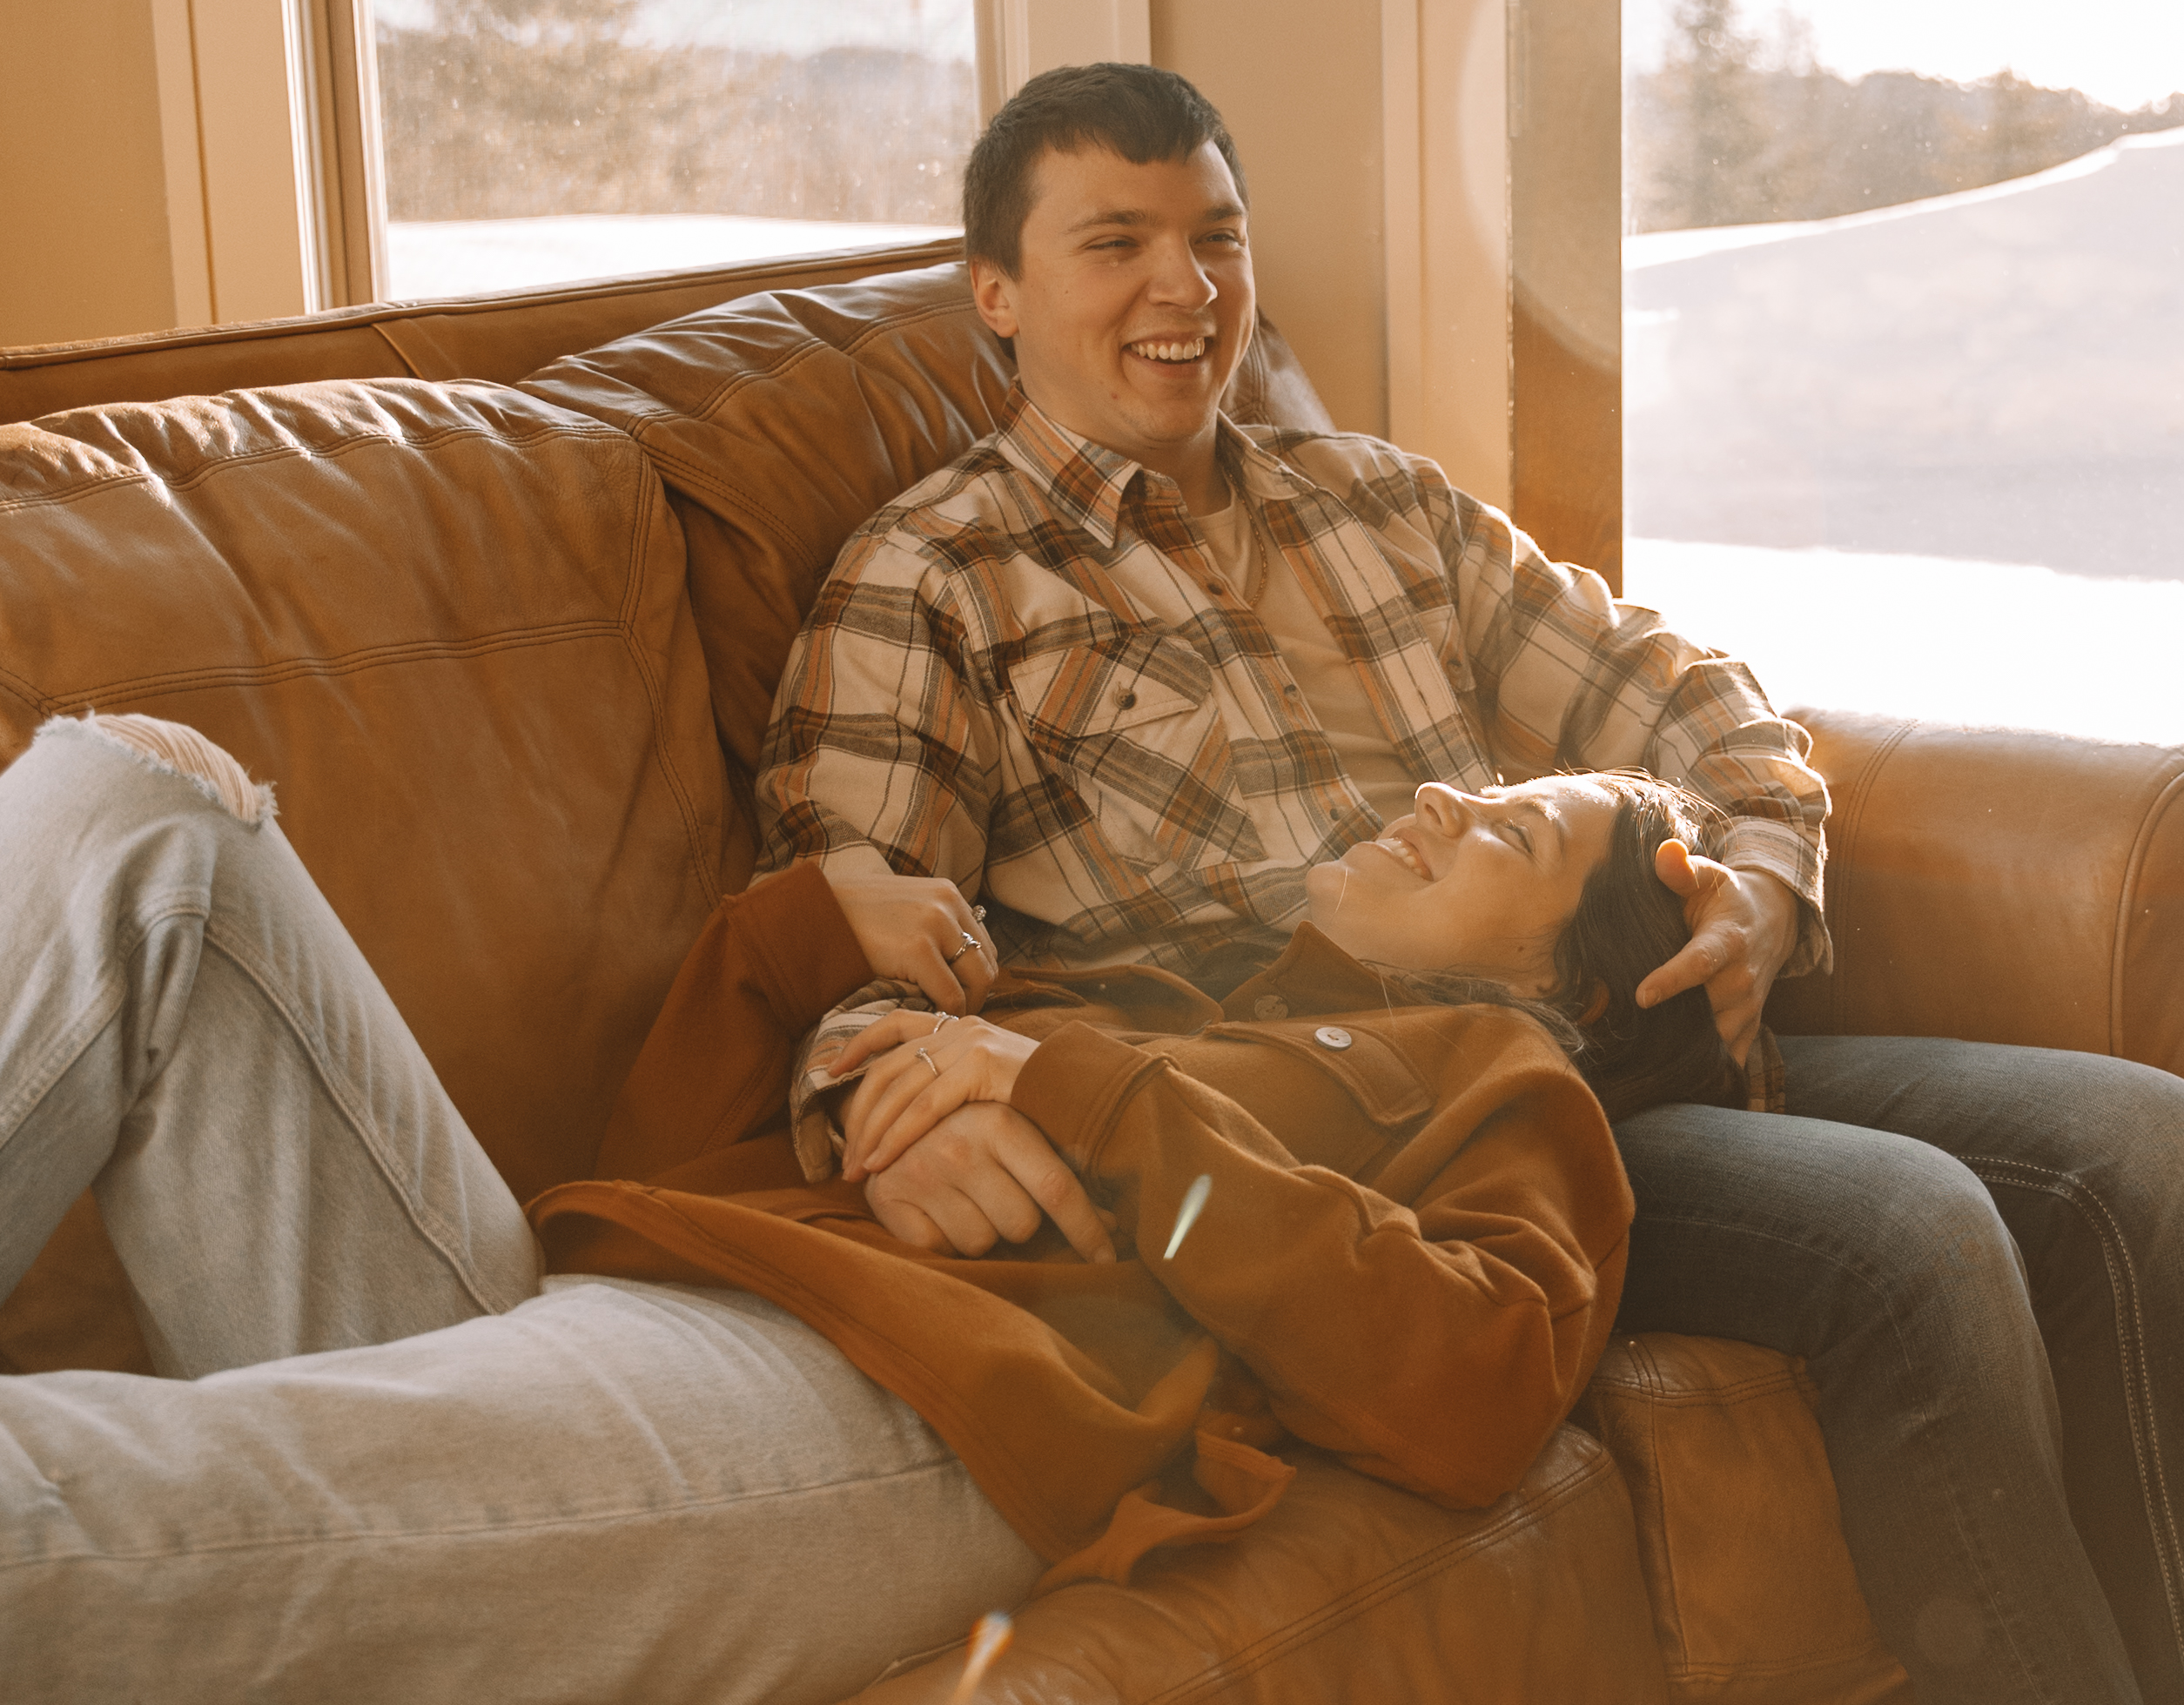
1733 130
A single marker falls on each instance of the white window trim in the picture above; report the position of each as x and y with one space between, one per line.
1019 38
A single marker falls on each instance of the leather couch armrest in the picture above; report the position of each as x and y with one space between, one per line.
1998 885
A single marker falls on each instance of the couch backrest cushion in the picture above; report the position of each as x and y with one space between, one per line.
447 622
499 335
781 420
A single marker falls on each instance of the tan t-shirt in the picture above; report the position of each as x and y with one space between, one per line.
1330 685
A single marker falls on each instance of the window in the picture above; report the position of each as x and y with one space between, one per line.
528 142
1903 351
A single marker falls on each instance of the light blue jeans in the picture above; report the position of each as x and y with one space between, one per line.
1980 1250
388 1463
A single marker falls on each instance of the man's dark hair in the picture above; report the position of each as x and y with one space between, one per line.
1140 113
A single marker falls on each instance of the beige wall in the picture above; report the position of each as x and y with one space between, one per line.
83 190
1299 82
151 174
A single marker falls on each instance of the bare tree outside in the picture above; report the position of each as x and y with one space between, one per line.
1738 126
513 109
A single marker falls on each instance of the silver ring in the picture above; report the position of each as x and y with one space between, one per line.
938 1021
928 1058
970 941
978 913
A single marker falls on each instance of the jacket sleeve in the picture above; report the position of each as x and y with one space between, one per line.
1436 1346
714 1067
882 751
1566 676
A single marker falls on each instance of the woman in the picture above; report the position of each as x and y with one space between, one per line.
1343 1208
398 1456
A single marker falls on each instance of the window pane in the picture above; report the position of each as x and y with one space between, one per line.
1904 355
534 141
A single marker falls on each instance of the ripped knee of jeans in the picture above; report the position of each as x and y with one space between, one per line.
175 749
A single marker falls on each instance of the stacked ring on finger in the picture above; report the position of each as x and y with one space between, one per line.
928 1058
970 941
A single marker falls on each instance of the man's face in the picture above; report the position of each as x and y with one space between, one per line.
1134 303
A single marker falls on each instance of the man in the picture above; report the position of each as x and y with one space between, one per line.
1124 669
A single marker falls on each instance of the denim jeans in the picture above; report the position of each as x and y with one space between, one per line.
1980 1251
390 1464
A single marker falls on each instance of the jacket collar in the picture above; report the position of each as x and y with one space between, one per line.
1313 975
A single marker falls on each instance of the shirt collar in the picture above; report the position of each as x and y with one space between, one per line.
1087 483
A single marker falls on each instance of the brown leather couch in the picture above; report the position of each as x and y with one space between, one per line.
502 621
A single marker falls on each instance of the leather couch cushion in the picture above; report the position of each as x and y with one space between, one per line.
782 420
1754 1599
1351 1589
448 622
2056 922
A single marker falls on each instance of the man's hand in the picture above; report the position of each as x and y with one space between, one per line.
901 1098
920 930
985 1175
1743 926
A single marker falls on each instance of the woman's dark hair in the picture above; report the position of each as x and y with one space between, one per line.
1627 922
1140 113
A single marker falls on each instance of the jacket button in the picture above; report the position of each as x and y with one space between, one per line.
1267 1008
1327 1036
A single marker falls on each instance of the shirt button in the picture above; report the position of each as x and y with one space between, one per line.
1327 1036
1267 1008
1127 700
1293 690
1216 587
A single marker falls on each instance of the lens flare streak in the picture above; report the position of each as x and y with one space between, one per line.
988 1641
1187 1216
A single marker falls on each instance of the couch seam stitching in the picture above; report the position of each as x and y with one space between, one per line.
348 663
2134 869
1272 1646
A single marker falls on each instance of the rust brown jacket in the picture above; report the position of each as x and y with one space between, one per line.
1410 1253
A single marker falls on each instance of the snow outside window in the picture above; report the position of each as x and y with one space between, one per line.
1903 351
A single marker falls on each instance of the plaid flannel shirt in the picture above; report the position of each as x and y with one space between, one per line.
1027 675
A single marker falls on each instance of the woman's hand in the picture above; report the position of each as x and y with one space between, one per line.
902 1096
920 930
986 1175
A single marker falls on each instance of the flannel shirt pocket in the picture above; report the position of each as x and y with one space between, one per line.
1131 725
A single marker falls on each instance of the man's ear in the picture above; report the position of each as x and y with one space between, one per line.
994 293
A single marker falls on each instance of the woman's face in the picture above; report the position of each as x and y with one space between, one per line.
1471 882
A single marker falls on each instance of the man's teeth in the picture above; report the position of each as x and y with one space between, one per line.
1189 352
1403 850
